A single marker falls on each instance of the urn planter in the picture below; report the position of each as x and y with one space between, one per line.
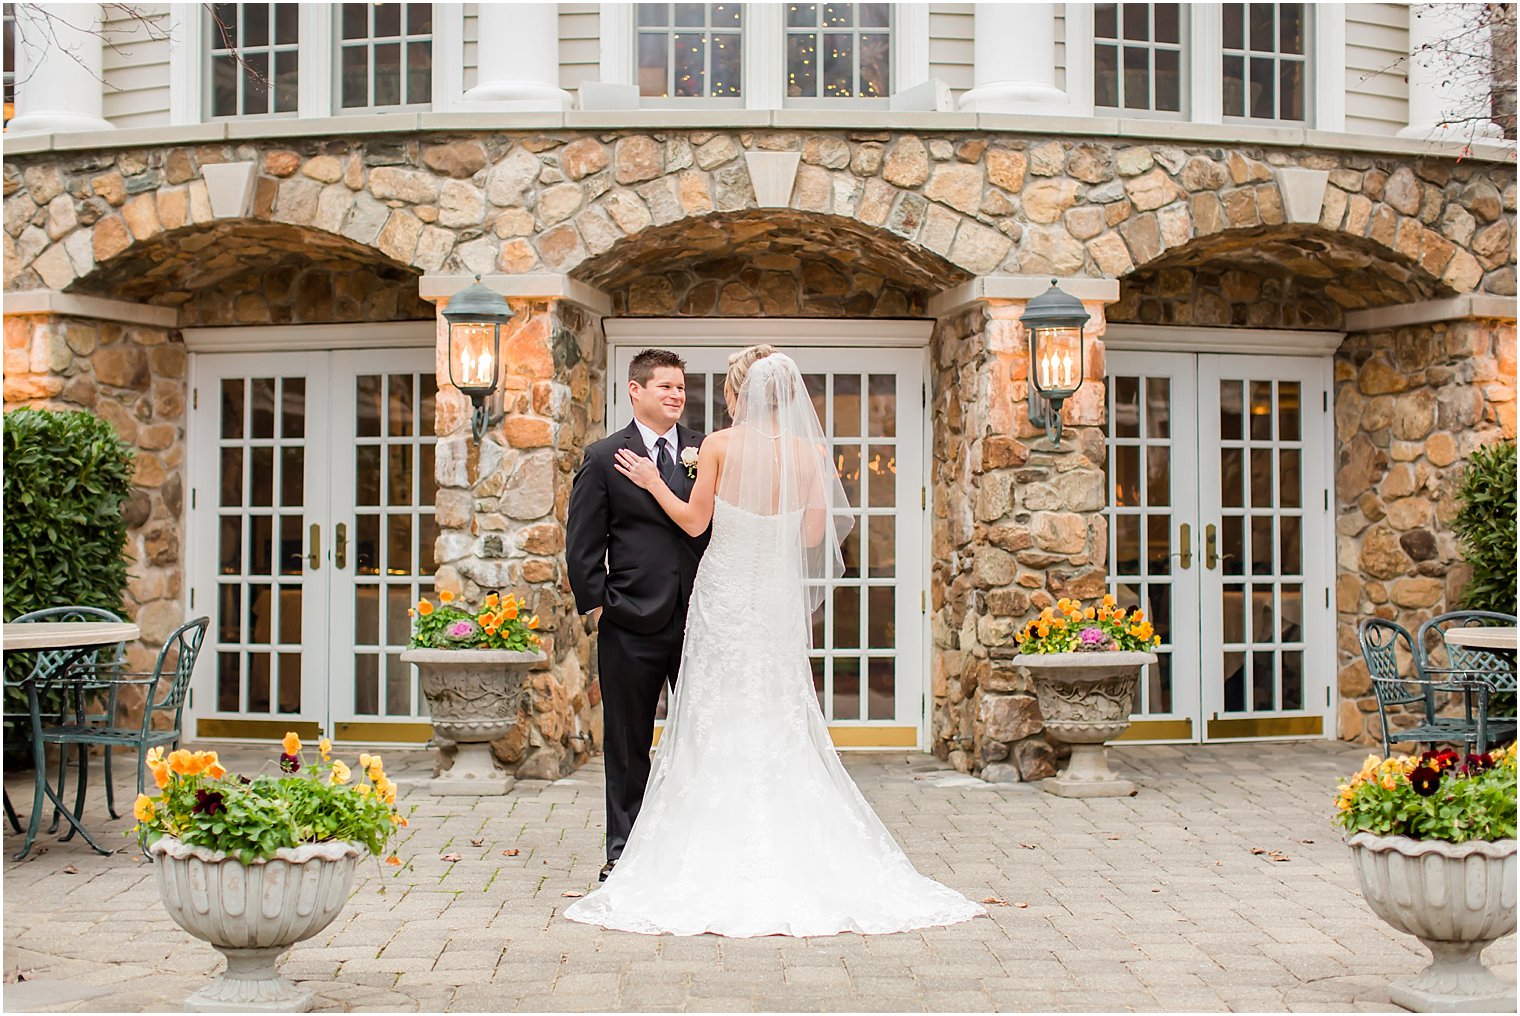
252 913
1456 898
473 697
1085 700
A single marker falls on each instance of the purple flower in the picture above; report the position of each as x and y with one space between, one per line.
207 802
290 763
1093 640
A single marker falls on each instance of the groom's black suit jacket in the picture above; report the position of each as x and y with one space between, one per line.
623 552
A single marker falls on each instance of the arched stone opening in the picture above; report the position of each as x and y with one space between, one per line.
251 272
769 263
1286 276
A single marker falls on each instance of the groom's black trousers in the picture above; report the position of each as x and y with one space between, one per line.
633 667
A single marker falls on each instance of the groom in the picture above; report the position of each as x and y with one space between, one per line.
632 569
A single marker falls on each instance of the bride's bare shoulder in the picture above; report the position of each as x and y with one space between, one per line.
718 439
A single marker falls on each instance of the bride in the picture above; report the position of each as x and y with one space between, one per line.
750 824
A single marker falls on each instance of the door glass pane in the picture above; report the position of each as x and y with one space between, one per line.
847 688
846 405
883 688
882 476
883 405
263 407
232 407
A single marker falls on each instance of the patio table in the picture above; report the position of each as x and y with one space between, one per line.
1484 637
84 638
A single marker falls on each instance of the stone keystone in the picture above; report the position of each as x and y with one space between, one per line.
772 175
229 186
1303 192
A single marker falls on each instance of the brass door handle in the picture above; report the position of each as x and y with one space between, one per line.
340 548
1186 556
1210 552
314 556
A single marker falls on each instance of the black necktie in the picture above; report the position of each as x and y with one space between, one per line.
665 462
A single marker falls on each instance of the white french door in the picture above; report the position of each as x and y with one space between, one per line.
869 647
1220 527
311 532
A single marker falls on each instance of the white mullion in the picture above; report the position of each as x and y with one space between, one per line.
1205 67
314 66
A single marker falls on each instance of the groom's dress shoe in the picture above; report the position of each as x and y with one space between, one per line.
606 870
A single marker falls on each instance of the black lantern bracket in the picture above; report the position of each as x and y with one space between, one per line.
481 417
1046 317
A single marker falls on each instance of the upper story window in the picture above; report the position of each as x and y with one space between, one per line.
1138 57
385 55
1265 61
838 51
691 51
10 61
254 51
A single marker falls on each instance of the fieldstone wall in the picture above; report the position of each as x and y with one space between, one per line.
1411 404
299 295
501 514
134 377
1017 524
562 201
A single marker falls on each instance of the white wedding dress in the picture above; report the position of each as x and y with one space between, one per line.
750 824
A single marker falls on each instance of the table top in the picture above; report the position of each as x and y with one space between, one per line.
66 634
1486 637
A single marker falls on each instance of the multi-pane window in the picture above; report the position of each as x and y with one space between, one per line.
690 51
385 55
1265 60
1137 57
838 51
10 61
255 50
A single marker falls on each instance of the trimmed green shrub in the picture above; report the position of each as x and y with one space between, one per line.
1485 525
66 478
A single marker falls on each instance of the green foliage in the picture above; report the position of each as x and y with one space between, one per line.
66 478
315 801
1438 796
1485 525
1068 628
498 624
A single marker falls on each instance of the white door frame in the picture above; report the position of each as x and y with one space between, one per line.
1316 348
263 346
803 332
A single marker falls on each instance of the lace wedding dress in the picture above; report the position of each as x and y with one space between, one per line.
750 824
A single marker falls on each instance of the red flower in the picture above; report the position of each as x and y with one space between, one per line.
1440 760
1424 780
1478 763
290 763
207 802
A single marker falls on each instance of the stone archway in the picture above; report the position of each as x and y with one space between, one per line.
1278 276
769 263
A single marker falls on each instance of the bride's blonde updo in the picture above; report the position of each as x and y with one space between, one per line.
739 364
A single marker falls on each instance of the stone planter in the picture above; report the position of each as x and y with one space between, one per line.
1086 699
1456 898
252 913
473 697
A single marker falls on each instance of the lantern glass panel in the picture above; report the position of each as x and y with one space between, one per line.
1058 359
472 355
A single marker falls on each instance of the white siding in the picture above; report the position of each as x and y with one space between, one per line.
1377 50
950 45
135 65
580 52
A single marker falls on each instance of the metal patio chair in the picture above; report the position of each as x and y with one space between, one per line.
167 685
47 664
1379 640
1485 674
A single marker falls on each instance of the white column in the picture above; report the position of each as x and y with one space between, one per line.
517 58
1443 85
1015 52
58 79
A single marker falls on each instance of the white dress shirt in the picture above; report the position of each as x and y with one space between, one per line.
650 438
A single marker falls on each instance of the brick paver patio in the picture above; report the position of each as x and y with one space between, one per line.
1220 886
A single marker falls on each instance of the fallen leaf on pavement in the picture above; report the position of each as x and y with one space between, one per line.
17 975
572 894
451 857
1155 890
511 853
71 870
996 901
1022 906
478 843
1116 837
1030 846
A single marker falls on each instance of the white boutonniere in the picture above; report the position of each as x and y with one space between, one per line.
689 460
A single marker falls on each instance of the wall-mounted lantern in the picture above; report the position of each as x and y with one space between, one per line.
476 316
1054 321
